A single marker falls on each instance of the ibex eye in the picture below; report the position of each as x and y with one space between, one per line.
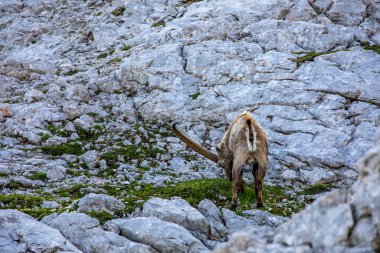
218 149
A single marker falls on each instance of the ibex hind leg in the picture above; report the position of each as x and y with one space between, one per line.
259 174
237 177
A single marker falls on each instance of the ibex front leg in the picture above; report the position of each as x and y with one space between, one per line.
237 177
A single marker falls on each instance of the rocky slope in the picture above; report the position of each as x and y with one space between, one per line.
93 86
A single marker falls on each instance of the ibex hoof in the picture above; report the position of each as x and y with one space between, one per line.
259 205
233 206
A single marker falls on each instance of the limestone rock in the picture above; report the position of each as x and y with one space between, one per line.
99 202
22 233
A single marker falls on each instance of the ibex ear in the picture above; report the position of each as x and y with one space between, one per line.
218 149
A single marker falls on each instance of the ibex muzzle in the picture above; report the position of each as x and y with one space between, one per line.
244 141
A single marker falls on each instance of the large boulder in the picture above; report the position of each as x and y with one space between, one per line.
20 233
99 202
87 234
161 235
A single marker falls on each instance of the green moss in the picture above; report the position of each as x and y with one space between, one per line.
367 46
57 130
38 176
195 96
130 152
102 216
98 14
15 201
13 185
44 137
71 72
315 189
159 23
118 11
309 56
115 60
98 127
126 48
2 174
190 1
39 213
102 55
219 191
71 148
72 191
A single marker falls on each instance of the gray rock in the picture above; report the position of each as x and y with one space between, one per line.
264 218
90 158
213 215
178 211
34 96
56 173
99 202
235 223
161 235
50 204
86 233
21 233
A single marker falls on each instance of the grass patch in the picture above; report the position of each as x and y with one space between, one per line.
219 191
309 56
57 130
72 191
71 72
367 46
105 55
118 11
2 174
38 176
159 23
126 48
15 201
130 152
71 148
315 189
115 60
101 216
195 95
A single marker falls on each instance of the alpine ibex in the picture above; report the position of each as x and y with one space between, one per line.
244 141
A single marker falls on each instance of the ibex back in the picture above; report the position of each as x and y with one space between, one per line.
244 141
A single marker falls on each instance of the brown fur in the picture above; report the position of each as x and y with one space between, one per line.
233 153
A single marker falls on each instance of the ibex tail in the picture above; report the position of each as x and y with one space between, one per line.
251 136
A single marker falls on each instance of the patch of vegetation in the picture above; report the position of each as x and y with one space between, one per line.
15 201
130 152
126 48
309 56
39 213
219 191
118 11
44 137
38 176
13 185
190 1
102 216
159 23
71 191
71 72
115 60
195 95
71 148
57 130
2 174
104 55
315 189
98 14
367 46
